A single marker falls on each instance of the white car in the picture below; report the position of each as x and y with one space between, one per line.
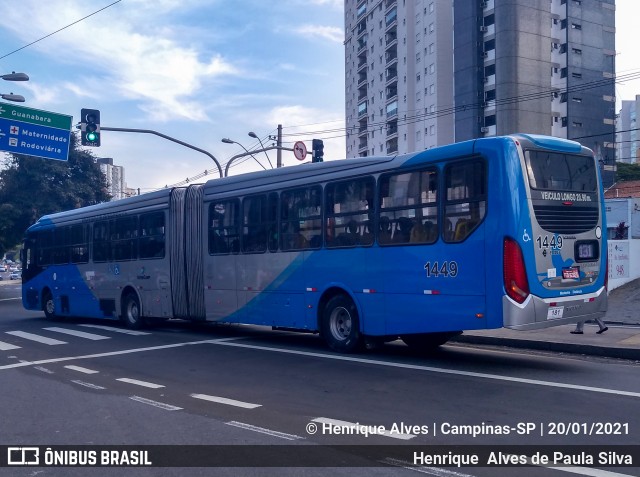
3 268
15 276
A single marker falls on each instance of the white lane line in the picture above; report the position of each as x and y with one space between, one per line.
80 334
431 369
80 369
437 471
7 299
7 346
588 471
262 430
230 402
43 369
117 330
140 383
161 405
87 385
106 354
355 425
38 338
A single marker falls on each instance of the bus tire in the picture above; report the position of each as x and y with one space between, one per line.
341 325
131 312
48 305
425 342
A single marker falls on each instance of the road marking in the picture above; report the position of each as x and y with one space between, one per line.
140 383
161 405
87 385
117 330
38 338
80 334
7 299
262 430
230 402
106 354
81 369
7 346
43 369
431 369
588 471
437 471
353 425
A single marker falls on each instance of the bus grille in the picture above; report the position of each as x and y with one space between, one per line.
566 220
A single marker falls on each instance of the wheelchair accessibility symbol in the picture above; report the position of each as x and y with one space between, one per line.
525 236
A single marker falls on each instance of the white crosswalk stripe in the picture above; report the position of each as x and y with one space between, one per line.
37 338
80 334
7 346
117 330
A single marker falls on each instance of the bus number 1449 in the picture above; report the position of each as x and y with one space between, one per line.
446 269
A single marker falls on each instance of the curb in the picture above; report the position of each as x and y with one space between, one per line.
602 351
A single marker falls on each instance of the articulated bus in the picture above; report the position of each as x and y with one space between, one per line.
489 233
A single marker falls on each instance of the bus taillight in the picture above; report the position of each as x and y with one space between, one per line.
514 271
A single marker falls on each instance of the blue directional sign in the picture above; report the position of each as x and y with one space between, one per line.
33 132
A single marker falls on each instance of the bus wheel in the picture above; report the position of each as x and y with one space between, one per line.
131 312
426 342
48 306
340 325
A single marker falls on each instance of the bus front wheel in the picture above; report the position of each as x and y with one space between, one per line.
131 312
48 305
340 325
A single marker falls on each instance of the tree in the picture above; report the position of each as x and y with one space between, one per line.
627 172
31 187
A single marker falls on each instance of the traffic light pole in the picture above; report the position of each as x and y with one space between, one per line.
182 143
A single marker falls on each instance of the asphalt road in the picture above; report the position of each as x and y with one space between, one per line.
94 383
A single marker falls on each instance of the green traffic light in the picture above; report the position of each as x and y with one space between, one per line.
92 136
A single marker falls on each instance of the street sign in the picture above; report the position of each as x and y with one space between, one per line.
300 150
34 132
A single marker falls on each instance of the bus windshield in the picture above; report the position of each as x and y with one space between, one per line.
557 171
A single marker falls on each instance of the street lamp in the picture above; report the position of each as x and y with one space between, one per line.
13 76
254 136
230 141
13 97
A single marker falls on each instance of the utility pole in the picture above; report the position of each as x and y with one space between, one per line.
279 145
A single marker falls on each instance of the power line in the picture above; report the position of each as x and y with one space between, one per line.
57 31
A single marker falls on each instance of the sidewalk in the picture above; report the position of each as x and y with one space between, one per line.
622 340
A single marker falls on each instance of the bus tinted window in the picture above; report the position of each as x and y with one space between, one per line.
349 213
224 236
408 208
152 239
272 221
254 224
466 200
101 247
301 218
555 171
124 235
79 244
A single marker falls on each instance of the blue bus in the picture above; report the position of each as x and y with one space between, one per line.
489 233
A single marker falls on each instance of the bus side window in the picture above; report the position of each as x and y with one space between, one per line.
466 198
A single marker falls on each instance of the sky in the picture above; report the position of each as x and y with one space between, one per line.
200 71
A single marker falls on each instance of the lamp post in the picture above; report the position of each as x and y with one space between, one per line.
13 76
255 136
230 141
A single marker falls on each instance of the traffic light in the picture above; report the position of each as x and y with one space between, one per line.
90 127
317 147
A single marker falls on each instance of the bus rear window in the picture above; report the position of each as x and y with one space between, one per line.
556 171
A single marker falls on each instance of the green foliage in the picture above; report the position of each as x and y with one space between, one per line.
31 187
627 172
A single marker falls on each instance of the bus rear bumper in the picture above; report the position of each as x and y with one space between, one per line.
536 313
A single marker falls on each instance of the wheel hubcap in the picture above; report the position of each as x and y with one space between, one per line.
340 323
49 306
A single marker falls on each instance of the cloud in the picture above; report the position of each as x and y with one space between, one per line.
334 34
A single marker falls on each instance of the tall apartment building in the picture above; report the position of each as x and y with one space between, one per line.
421 73
627 139
115 178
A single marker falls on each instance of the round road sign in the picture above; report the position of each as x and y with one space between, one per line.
300 150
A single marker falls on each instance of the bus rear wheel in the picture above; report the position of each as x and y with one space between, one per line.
340 325
425 342
131 312
48 306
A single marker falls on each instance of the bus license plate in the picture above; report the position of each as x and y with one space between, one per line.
555 312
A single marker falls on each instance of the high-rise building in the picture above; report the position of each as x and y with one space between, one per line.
421 73
627 140
116 185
